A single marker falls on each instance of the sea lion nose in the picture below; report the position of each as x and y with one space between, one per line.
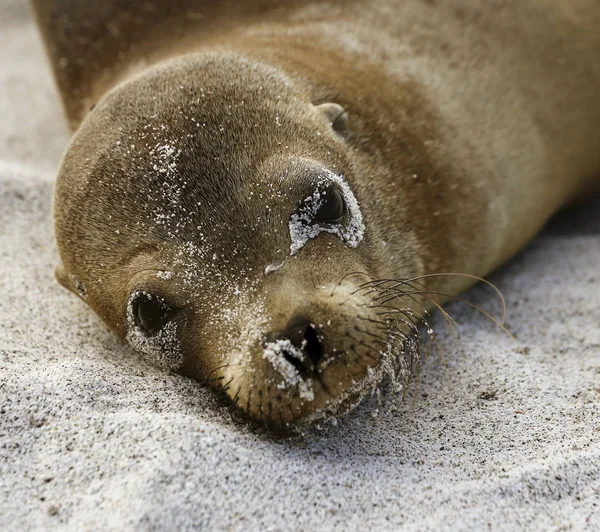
303 336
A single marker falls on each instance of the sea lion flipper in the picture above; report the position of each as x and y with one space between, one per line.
68 29
90 44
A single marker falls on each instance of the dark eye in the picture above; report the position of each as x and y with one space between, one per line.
333 208
150 312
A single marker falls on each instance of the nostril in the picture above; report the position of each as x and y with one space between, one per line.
296 332
303 336
293 359
312 346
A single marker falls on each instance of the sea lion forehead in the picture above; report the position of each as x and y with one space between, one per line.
190 149
216 84
201 113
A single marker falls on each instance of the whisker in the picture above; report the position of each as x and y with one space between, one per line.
357 360
447 274
450 323
404 311
378 338
236 396
221 367
248 403
368 347
214 379
225 387
481 311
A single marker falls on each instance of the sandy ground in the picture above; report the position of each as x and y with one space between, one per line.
91 438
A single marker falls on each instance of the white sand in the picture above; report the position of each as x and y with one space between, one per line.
90 438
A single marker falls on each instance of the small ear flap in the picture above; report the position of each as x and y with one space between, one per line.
336 115
62 277
70 282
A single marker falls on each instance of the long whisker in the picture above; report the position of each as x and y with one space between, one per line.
450 323
208 379
411 325
478 309
397 283
368 347
393 310
426 293
225 387
378 338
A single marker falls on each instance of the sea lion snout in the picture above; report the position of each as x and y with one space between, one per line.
320 350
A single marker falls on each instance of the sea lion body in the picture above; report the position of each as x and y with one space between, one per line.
451 131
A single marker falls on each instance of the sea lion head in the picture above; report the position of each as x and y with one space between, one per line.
217 218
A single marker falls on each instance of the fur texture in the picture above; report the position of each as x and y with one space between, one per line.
467 127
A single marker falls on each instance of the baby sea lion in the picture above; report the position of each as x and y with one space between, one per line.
267 196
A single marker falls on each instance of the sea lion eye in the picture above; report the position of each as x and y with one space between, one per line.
150 312
333 208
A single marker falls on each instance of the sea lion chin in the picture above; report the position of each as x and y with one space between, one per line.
272 209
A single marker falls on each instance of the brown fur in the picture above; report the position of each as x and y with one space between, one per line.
469 126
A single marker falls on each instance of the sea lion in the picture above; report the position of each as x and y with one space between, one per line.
267 196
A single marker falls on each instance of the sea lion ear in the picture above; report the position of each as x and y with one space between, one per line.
336 115
63 277
70 282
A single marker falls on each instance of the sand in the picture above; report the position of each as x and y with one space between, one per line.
500 437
